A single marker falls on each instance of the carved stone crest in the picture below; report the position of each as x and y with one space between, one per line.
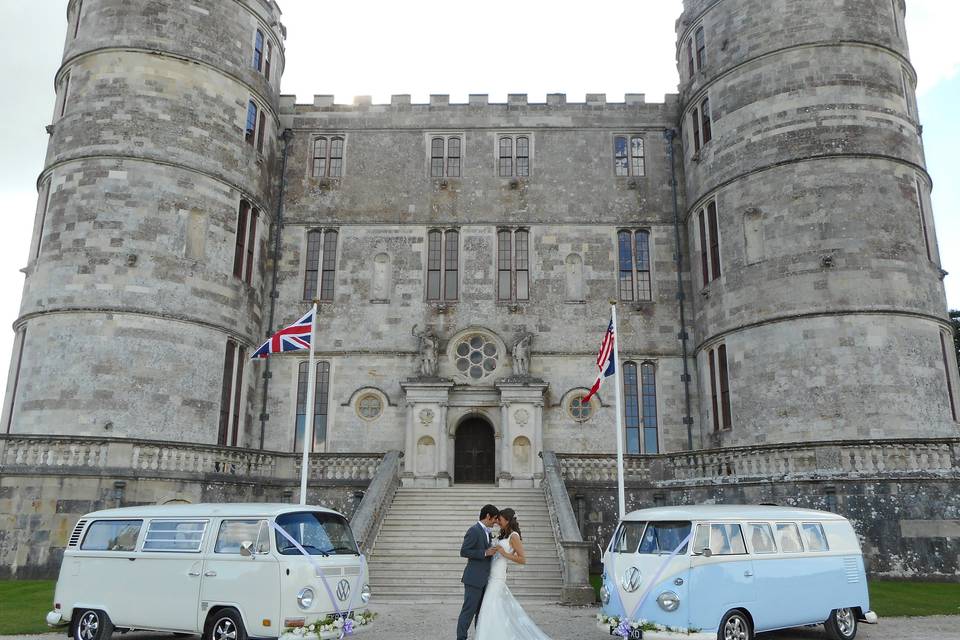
522 417
426 417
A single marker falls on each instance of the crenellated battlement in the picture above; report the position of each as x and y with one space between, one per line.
402 101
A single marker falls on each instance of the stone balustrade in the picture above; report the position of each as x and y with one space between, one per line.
61 455
913 458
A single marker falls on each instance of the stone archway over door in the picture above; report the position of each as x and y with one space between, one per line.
474 453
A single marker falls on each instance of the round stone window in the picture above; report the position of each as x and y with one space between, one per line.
369 406
476 356
578 410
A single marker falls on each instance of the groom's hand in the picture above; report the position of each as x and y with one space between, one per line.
489 552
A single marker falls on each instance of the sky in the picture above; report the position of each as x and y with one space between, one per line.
442 46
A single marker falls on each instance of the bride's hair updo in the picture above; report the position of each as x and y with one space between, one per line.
512 524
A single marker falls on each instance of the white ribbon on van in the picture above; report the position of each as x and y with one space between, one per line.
624 627
347 628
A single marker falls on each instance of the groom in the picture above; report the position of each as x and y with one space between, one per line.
476 548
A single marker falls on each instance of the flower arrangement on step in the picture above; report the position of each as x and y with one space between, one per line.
623 626
332 623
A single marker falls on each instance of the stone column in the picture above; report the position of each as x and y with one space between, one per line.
409 452
443 443
504 453
537 440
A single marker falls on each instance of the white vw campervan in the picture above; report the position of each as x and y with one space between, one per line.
227 571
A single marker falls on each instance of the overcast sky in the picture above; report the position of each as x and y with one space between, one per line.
432 46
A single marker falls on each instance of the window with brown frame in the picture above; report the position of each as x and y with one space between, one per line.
328 156
923 219
640 408
513 265
251 131
231 391
705 119
262 128
320 405
266 60
719 387
709 242
633 256
701 45
321 265
442 265
66 94
245 242
695 129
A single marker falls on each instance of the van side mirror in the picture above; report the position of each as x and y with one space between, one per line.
246 548
706 552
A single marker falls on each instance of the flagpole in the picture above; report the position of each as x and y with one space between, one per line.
619 389
308 434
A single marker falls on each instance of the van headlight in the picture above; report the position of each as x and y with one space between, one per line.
365 593
668 601
604 595
305 598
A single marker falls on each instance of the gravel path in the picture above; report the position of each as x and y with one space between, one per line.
438 621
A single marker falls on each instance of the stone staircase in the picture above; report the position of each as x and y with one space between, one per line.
416 556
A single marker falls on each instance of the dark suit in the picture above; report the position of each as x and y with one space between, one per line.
475 574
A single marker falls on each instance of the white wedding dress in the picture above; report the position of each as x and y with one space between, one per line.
501 616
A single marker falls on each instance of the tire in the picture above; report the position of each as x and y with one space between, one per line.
90 624
224 624
735 625
842 624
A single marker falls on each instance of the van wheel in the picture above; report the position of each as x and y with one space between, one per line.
842 624
735 626
225 625
91 624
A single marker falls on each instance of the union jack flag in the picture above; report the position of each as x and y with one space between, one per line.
605 362
296 337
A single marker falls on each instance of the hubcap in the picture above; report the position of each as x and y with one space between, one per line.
89 625
735 629
224 630
845 621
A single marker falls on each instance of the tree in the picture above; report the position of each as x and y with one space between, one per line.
955 321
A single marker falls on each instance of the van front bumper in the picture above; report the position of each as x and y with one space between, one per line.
55 619
325 635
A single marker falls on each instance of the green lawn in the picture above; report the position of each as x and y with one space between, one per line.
24 605
891 599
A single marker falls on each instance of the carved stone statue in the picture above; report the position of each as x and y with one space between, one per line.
429 347
521 355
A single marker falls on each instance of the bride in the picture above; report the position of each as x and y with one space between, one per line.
501 616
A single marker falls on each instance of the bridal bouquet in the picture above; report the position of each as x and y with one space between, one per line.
622 626
331 623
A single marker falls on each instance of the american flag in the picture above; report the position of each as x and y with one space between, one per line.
605 362
296 337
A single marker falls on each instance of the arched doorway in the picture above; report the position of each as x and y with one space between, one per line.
473 452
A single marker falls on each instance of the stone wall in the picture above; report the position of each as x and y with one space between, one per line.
902 497
47 484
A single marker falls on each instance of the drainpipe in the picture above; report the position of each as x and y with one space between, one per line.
670 134
277 233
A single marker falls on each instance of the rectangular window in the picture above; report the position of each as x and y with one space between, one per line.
701 48
328 156
523 156
503 265
705 119
320 157
625 260
908 92
261 130
947 368
266 61
714 240
258 51
112 535
813 536
761 537
644 287
923 220
251 130
66 94
237 394
320 265
233 533
631 409
19 340
506 157
513 156
328 265
336 157
695 131
321 390
522 265
788 538
312 269
79 14
633 256
648 394
628 156
445 156
43 202
704 264
896 17
513 264
245 242
226 387
711 357
691 69
724 386
183 536
727 540
442 265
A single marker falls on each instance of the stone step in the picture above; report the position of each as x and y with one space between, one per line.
396 555
442 574
414 582
444 595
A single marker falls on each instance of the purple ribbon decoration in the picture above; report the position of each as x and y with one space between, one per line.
347 628
623 629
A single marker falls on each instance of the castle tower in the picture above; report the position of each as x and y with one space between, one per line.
144 286
820 309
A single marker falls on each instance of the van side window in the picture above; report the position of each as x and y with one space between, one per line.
761 537
235 532
814 537
112 535
726 540
628 537
175 535
788 537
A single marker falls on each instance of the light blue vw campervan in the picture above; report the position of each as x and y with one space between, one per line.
728 572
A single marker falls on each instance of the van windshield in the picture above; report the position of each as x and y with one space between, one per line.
320 534
664 537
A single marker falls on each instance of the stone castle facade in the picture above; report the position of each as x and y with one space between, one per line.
767 233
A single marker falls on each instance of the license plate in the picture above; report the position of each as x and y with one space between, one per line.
635 634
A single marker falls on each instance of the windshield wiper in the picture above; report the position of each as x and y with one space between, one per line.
342 548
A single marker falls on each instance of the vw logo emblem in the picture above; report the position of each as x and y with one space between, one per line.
343 590
631 579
